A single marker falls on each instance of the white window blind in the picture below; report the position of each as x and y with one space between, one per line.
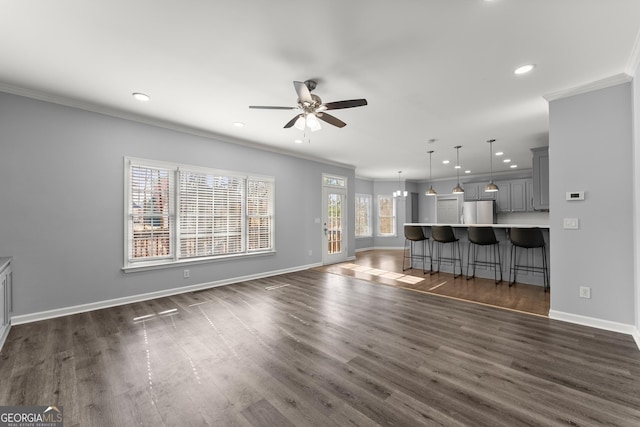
228 213
260 213
196 215
150 212
177 212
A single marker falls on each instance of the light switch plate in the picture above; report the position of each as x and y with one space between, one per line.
571 223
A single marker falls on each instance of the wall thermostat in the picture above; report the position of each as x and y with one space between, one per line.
575 195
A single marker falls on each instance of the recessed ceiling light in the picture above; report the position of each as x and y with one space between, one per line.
467 171
457 166
141 96
499 153
507 160
513 166
524 69
445 162
238 124
298 141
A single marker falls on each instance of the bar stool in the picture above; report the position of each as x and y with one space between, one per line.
413 234
483 236
528 238
442 234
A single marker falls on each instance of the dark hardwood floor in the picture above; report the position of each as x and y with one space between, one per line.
385 267
315 348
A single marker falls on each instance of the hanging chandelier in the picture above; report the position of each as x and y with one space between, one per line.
399 192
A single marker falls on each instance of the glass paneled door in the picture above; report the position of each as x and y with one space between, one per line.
334 225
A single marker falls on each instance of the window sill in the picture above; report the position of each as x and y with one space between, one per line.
185 262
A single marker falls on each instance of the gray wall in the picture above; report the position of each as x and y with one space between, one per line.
62 204
591 150
403 211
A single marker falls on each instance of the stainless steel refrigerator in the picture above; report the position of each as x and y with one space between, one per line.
480 212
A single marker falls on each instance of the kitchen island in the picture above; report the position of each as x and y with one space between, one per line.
502 234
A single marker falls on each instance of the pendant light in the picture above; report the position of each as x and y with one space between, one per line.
430 191
458 188
400 192
491 187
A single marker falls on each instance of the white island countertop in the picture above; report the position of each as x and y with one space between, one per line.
428 224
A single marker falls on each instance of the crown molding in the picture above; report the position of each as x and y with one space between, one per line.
634 59
589 87
165 124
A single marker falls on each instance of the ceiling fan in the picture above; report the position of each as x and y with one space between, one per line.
313 109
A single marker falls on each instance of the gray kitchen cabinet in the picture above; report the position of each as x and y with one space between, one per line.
470 192
475 191
518 192
540 178
529 187
503 197
512 196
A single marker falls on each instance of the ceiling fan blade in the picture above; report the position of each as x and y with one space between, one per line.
303 92
345 104
267 107
331 120
292 121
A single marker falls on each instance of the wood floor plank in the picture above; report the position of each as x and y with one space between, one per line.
522 297
323 350
263 413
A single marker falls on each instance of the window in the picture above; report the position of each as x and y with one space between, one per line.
177 212
334 181
386 215
363 215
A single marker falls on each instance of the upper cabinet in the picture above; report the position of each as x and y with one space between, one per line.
512 196
470 192
540 178
475 191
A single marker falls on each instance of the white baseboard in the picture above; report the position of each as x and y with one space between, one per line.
363 249
386 248
636 336
66 311
593 322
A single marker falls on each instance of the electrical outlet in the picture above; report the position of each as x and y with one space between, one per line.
310 252
585 292
185 274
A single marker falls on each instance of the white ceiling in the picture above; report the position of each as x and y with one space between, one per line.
438 69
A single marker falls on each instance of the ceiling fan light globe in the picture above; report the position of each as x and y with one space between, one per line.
313 123
300 123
